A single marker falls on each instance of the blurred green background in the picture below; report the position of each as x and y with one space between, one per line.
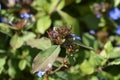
24 27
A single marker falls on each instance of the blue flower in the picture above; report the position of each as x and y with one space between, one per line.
114 13
0 7
25 15
75 37
92 32
1 19
118 30
40 73
98 15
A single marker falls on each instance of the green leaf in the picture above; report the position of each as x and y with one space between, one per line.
88 39
115 62
12 72
4 28
28 36
45 59
86 68
116 3
42 43
22 64
108 47
56 5
16 42
43 24
115 53
69 20
95 59
2 63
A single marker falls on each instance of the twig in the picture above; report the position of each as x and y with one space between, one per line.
59 66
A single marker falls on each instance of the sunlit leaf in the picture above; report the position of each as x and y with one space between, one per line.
42 43
28 36
44 60
2 63
115 53
43 24
116 3
115 62
86 68
4 28
108 47
22 64
16 42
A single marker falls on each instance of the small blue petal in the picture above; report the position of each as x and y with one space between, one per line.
114 14
40 73
26 15
0 7
1 19
118 30
92 32
73 35
98 15
78 38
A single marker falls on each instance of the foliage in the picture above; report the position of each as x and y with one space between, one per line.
59 39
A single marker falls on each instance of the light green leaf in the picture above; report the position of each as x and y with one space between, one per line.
95 59
42 43
69 20
115 62
116 3
12 72
28 36
16 42
115 53
56 5
2 63
4 28
108 47
86 68
45 59
43 24
22 64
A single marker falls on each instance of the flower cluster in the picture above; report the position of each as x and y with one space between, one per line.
100 8
64 37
